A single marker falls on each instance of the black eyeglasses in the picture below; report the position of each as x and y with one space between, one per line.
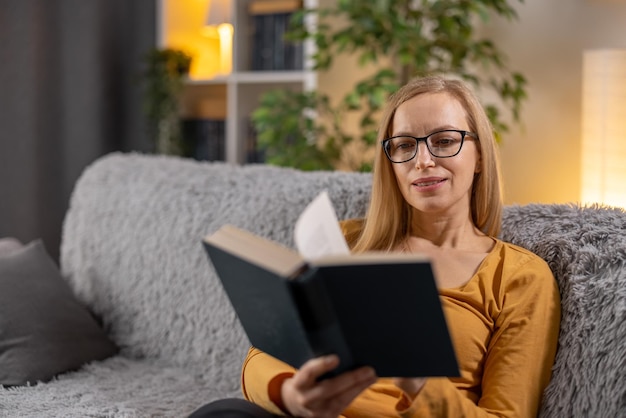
440 144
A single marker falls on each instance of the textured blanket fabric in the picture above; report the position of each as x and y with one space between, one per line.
132 248
119 387
132 252
586 250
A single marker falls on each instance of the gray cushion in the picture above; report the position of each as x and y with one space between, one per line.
44 330
9 245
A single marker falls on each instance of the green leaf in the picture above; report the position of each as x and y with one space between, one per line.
353 100
415 37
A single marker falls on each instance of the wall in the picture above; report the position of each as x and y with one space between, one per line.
540 158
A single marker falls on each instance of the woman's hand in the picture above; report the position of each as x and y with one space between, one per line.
304 396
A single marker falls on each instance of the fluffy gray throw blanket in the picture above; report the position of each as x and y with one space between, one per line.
586 250
131 251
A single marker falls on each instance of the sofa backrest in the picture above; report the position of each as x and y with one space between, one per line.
132 252
131 248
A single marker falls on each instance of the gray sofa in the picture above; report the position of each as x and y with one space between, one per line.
131 252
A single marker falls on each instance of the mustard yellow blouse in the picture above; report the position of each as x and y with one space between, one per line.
504 325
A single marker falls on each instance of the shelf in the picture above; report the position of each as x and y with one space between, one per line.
272 76
256 77
236 95
207 81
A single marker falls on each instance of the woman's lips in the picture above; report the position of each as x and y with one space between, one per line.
428 184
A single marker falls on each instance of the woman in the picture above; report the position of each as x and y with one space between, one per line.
436 190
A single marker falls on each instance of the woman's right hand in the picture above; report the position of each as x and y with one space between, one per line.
304 396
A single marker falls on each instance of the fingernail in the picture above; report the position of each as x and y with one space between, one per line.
368 373
331 358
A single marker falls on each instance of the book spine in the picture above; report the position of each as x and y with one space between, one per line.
215 140
270 50
279 41
297 55
265 41
290 47
253 153
257 42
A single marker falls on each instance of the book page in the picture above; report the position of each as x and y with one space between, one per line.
317 232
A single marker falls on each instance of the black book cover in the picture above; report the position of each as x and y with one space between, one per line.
385 314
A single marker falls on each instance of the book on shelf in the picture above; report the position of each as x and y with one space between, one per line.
377 309
204 139
254 154
270 50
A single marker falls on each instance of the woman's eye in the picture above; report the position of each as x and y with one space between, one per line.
405 145
443 142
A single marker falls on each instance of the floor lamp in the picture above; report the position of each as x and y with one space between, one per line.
603 151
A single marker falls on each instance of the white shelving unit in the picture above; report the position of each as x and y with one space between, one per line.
237 95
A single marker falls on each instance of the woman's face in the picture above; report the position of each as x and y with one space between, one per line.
429 184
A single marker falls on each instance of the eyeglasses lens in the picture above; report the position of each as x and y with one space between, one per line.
440 144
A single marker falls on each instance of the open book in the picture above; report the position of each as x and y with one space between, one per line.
375 309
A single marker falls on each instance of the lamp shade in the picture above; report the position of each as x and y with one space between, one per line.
218 13
603 151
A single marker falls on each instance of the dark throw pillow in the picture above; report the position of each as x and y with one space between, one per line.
8 245
44 329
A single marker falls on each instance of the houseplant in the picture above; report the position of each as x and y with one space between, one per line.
166 70
403 39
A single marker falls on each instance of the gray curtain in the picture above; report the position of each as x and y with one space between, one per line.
69 93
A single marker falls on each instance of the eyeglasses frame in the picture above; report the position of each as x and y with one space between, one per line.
463 133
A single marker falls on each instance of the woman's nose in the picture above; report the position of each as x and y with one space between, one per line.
423 158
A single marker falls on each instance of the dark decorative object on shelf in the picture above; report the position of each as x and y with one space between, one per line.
204 139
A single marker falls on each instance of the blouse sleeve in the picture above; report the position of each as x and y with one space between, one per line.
520 353
261 379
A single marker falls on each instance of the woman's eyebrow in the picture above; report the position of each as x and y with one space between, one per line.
430 131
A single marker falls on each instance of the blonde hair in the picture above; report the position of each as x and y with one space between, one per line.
389 215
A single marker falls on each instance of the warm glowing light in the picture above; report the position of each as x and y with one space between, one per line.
218 24
225 31
603 152
184 22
